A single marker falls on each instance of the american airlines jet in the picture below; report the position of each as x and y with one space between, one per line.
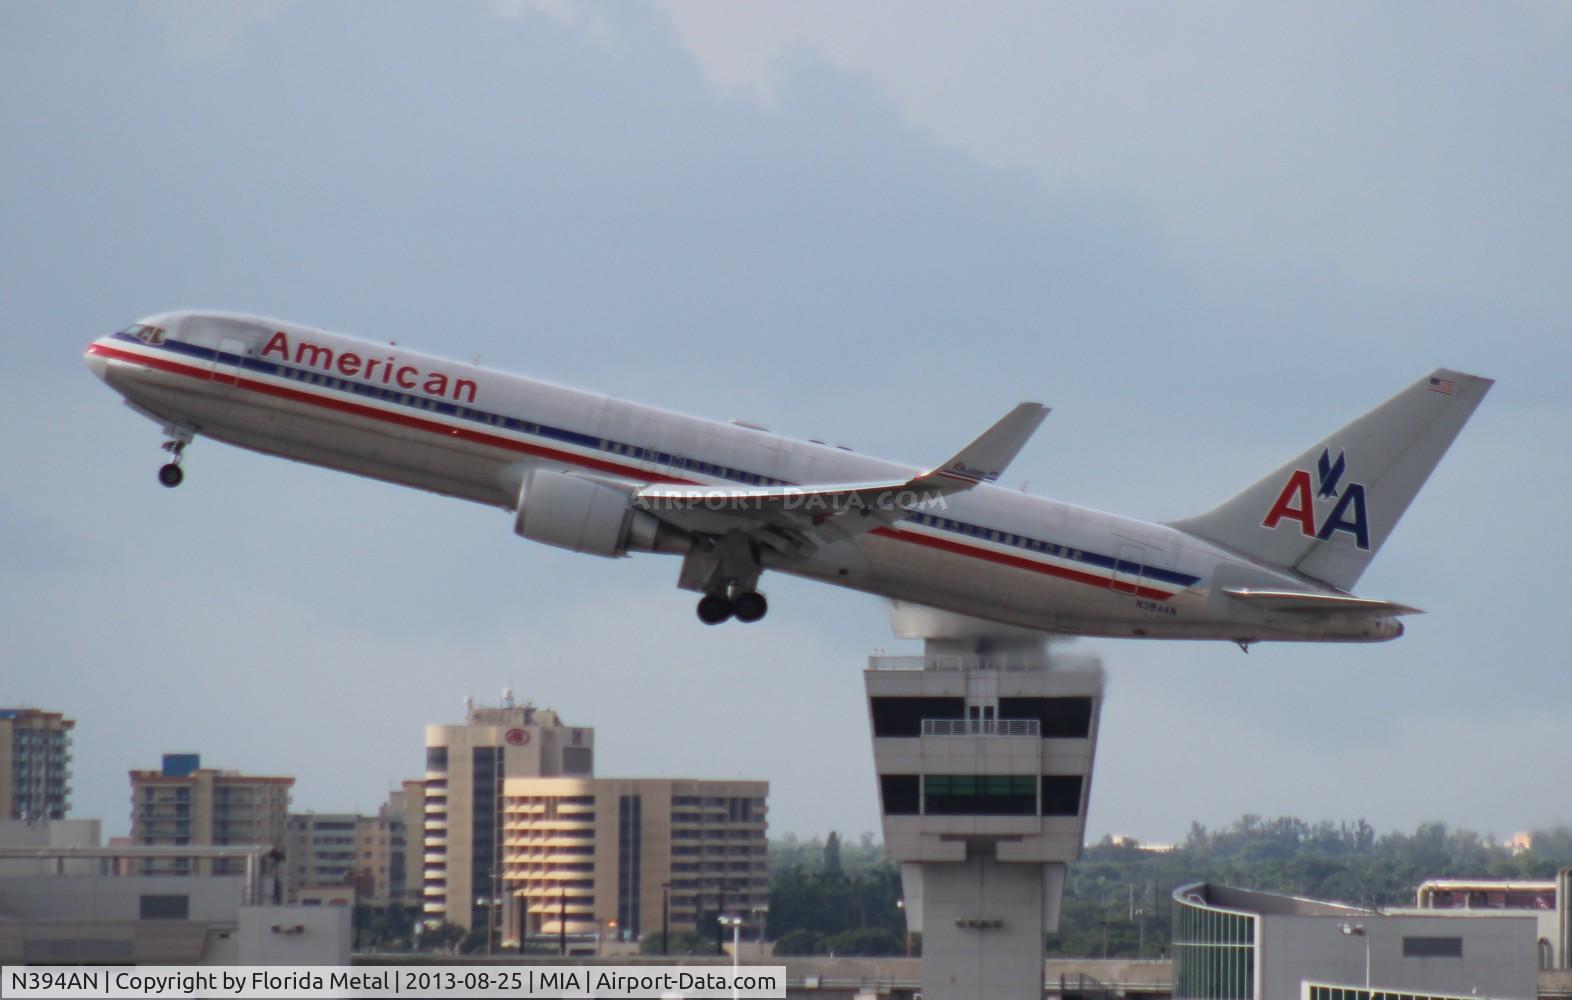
731 500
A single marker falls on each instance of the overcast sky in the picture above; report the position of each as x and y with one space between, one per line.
1206 235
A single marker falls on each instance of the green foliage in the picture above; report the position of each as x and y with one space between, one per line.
1120 894
832 854
855 859
474 942
440 937
385 928
864 941
826 891
799 942
682 943
1117 898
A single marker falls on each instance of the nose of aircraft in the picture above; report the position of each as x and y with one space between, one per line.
96 362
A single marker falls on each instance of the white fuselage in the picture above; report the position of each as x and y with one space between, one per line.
387 412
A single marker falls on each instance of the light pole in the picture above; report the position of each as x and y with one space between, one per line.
665 918
1358 930
760 922
735 923
491 910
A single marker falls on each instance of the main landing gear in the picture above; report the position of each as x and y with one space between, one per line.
725 569
748 606
170 474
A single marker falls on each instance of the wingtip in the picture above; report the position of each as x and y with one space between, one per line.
1458 375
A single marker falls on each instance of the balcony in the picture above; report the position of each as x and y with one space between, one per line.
982 727
959 661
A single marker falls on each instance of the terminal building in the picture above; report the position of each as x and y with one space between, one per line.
520 837
1548 901
86 904
1239 944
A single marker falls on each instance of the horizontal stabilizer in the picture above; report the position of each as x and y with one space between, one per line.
1303 602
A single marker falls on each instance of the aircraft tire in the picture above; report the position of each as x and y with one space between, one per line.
171 475
714 609
750 607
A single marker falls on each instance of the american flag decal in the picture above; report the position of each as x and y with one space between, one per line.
1441 385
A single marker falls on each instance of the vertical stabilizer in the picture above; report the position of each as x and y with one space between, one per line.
1326 513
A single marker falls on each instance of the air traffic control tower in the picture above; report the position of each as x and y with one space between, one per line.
984 750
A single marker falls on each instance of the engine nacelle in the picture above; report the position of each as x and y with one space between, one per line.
586 515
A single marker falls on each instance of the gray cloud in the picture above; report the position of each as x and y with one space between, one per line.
580 202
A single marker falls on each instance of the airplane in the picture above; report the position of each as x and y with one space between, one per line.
593 474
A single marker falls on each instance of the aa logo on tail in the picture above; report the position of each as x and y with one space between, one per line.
1296 503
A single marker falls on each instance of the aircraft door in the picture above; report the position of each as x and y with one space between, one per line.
1129 560
227 361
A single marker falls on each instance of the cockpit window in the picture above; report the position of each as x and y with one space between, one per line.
146 334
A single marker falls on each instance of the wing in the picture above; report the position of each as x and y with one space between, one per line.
829 512
1313 603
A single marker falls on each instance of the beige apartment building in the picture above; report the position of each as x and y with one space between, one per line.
381 845
184 804
620 858
371 855
520 836
320 852
412 800
35 764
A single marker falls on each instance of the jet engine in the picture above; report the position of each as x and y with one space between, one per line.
588 515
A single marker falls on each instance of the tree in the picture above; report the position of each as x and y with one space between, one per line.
440 937
832 854
799 942
385 928
682 943
474 942
862 941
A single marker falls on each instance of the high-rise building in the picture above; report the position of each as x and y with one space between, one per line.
520 836
414 805
35 764
621 858
465 768
381 842
184 803
320 850
368 854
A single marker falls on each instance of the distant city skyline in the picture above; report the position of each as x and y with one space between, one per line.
1202 237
